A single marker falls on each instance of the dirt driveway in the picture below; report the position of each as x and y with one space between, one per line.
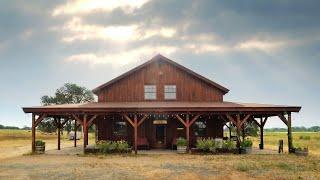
164 166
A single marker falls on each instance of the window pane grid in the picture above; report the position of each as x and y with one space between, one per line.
150 92
170 91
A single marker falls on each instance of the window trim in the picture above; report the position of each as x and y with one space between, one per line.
171 93
152 93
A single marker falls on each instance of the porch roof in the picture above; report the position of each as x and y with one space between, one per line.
164 106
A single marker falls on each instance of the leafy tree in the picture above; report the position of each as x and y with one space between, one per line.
251 129
69 93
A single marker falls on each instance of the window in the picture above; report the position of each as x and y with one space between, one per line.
170 92
200 129
150 92
120 128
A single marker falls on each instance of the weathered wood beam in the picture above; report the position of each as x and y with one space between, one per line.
33 144
91 120
128 119
64 122
85 132
290 145
39 119
283 119
264 121
188 131
75 133
77 119
194 119
244 119
181 120
135 119
142 120
59 133
231 119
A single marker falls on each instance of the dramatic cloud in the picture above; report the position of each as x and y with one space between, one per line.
121 58
258 49
87 6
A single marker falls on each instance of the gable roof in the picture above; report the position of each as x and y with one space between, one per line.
159 57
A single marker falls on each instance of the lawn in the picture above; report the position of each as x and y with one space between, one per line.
14 143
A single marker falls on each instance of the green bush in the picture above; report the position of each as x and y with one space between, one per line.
181 141
122 146
229 145
106 147
206 145
40 143
246 143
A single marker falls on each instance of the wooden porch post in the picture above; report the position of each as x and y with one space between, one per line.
229 131
188 132
261 134
239 123
243 132
59 131
290 146
287 121
33 144
75 133
85 132
135 122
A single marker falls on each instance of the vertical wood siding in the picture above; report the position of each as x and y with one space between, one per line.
160 73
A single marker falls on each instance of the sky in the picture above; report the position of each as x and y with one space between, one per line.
263 51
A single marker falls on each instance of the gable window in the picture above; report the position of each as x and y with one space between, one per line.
170 92
150 92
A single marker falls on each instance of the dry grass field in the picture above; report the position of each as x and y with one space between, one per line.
14 165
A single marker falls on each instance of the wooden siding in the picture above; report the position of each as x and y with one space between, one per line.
147 130
160 73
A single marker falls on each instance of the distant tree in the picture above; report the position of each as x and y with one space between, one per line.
315 128
251 129
26 128
69 93
1 126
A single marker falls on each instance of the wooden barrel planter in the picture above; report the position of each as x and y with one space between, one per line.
40 149
181 149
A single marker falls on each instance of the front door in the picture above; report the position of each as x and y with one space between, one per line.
160 135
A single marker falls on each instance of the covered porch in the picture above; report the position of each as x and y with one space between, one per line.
185 113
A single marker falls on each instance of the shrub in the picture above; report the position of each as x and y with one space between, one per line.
229 145
122 146
106 147
40 143
206 145
246 143
181 141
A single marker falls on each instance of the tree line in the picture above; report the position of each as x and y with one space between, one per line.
295 129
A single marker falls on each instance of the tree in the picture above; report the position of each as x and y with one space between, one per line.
69 93
251 129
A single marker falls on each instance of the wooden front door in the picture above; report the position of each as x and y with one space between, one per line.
160 135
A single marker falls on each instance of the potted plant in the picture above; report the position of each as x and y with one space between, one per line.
40 146
181 145
246 145
301 151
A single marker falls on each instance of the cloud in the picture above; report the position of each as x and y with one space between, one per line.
88 6
262 45
76 29
121 58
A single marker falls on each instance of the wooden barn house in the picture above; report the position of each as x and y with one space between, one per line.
157 102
